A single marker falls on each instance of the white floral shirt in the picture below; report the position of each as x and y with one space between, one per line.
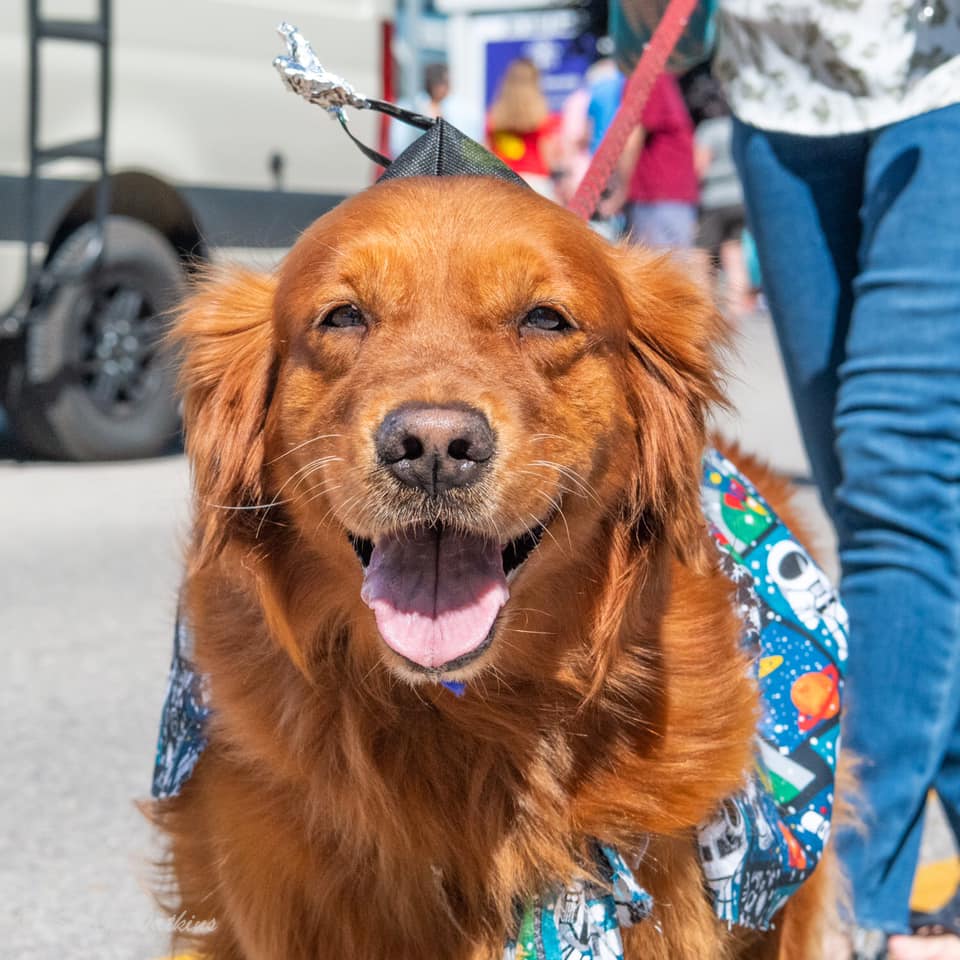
827 67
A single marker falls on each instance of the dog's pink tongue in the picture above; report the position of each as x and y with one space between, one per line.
435 594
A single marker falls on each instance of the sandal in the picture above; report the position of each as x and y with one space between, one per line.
944 922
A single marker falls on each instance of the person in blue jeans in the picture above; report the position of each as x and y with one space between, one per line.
859 244
848 145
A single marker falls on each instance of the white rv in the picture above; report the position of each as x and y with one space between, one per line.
204 150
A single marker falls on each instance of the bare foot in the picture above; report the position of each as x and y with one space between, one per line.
924 948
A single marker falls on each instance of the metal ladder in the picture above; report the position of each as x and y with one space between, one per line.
96 32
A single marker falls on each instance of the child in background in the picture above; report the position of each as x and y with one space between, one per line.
521 131
587 113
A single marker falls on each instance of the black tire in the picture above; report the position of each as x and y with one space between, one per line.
97 382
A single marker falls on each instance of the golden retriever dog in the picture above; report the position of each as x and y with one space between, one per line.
456 438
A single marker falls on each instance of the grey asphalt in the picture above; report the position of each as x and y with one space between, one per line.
89 559
88 571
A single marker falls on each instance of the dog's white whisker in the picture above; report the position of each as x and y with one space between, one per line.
366 677
502 680
322 436
276 501
315 494
309 469
569 473
586 488
539 475
558 510
245 506
344 509
546 530
534 610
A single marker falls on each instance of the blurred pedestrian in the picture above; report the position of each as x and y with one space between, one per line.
521 131
721 217
573 143
655 179
586 115
435 100
606 83
846 136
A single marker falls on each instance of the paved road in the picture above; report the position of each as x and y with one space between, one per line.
89 562
88 573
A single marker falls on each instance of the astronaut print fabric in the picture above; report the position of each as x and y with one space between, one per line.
183 720
583 921
766 840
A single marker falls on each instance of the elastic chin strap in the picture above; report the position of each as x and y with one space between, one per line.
391 110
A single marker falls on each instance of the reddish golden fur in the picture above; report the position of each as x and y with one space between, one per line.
343 809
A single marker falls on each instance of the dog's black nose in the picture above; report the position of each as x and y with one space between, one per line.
435 448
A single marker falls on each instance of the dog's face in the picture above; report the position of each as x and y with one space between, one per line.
451 387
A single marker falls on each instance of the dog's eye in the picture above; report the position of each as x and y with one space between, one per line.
346 315
545 318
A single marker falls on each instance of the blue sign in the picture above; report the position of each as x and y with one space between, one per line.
561 62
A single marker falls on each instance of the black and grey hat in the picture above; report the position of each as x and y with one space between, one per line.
443 151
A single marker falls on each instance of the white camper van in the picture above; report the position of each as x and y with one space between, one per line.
203 150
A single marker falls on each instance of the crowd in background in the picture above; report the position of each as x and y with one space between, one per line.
675 186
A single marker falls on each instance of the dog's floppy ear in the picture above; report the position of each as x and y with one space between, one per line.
675 337
225 336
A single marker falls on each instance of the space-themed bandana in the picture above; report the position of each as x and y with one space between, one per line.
583 921
766 839
183 720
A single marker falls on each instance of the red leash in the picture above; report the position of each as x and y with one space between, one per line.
650 65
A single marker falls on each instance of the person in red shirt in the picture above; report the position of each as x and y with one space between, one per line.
656 180
521 131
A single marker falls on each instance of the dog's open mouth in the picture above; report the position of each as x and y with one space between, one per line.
436 592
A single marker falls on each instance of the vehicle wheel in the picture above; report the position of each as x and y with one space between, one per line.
97 382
